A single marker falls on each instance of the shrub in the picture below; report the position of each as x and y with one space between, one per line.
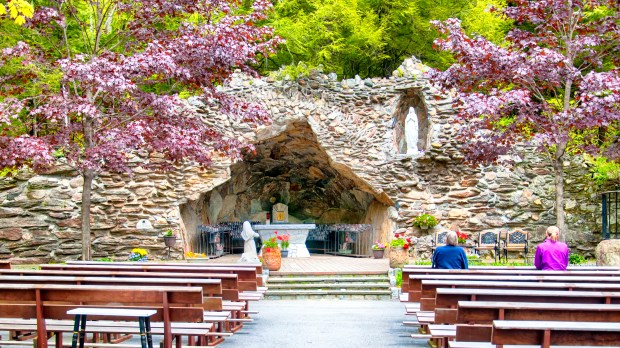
576 259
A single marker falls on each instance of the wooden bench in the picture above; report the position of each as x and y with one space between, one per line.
511 271
547 333
255 266
429 287
474 317
45 302
230 288
211 288
247 279
415 281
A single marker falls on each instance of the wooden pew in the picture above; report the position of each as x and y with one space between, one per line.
415 281
429 287
547 333
230 288
246 276
224 321
256 266
501 271
474 318
49 301
447 299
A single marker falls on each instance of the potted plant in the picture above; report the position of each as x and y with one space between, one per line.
272 259
399 250
138 254
170 238
378 249
462 237
284 240
425 221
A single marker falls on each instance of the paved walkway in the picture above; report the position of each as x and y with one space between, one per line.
322 264
325 324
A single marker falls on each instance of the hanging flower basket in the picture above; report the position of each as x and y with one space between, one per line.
170 241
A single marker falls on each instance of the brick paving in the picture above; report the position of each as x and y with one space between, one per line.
322 264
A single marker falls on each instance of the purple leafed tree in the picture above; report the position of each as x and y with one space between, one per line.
554 83
122 66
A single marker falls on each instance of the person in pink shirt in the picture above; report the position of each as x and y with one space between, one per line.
551 254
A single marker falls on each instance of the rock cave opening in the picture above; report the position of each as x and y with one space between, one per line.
290 168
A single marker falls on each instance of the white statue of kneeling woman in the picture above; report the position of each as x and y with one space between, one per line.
249 246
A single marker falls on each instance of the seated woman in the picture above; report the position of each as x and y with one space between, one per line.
450 256
551 254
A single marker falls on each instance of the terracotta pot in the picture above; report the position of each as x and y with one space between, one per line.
272 259
399 257
378 253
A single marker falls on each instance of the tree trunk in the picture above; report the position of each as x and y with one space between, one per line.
558 168
86 191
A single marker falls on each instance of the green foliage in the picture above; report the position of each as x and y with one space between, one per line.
105 259
370 37
481 21
602 169
336 34
398 273
576 259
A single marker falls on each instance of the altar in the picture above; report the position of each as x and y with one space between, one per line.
297 232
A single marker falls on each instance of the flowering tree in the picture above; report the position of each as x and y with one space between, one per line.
108 77
16 10
554 83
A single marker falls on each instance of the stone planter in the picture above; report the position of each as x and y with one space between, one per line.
399 257
272 260
170 241
378 253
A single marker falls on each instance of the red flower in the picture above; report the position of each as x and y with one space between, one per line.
406 246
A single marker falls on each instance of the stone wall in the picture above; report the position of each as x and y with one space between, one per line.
356 128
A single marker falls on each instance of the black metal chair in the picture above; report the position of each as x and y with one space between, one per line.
515 241
440 239
488 241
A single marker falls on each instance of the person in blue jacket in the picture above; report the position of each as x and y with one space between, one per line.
450 256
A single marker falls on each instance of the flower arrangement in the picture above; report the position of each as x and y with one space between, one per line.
270 244
425 220
193 255
138 254
400 241
284 240
378 246
462 237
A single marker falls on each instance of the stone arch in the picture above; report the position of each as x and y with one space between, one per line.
290 167
411 100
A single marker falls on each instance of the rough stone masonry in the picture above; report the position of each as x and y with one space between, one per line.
334 153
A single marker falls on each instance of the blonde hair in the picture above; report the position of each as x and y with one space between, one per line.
553 233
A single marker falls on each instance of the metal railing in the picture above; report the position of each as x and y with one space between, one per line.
610 202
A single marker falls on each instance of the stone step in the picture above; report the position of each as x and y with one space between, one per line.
384 285
331 297
329 294
273 280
